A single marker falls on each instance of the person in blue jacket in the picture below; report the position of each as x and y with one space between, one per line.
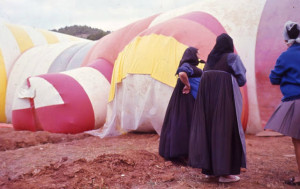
286 73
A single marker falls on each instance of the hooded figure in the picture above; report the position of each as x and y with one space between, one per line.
286 73
291 32
217 141
174 137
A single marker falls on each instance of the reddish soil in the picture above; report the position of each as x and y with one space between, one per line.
47 160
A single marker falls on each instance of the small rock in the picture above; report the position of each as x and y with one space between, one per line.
56 166
63 159
36 171
3 165
167 178
243 169
168 163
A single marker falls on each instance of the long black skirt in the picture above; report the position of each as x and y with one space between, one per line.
174 138
217 142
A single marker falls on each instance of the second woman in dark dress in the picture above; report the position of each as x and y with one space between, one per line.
217 142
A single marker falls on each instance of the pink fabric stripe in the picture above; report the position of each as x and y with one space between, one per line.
23 119
111 45
206 20
190 34
75 115
189 21
104 67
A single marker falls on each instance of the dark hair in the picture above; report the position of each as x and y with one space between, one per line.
293 33
224 44
189 56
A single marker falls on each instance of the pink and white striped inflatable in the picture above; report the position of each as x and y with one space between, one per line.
123 82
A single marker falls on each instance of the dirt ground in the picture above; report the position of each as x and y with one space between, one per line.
47 160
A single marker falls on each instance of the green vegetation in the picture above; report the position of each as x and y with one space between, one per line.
85 32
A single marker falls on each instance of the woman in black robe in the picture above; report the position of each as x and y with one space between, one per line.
174 138
217 141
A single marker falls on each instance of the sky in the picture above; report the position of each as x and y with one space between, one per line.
108 15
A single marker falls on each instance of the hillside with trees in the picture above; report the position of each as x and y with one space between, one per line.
85 32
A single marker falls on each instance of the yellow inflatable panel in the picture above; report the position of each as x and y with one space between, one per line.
50 37
156 55
3 83
22 38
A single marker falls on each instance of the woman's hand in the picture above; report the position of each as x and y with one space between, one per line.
185 80
186 89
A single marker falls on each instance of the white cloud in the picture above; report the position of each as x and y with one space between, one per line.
103 14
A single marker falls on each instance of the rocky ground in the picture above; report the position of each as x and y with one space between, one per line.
46 160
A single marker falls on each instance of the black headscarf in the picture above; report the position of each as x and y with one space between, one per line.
224 44
190 56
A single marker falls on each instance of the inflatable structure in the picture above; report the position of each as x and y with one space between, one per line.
123 82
